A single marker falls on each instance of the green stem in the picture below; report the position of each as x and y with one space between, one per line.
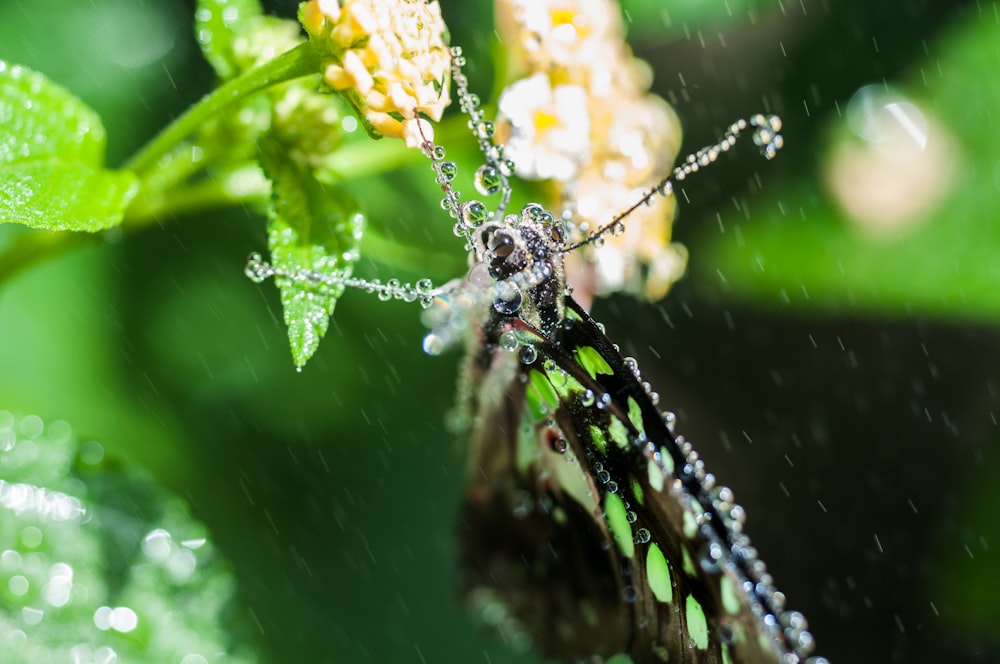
30 246
296 63
226 189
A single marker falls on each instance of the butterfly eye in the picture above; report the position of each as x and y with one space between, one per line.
506 259
501 244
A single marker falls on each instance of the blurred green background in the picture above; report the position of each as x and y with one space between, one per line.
841 375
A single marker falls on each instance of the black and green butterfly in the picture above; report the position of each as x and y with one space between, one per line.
591 532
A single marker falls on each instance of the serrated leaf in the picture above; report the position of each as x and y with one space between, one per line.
312 228
217 25
63 196
51 158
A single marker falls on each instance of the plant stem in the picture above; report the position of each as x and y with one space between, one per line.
296 63
234 187
33 245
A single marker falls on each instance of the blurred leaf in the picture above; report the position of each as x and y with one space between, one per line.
218 23
164 595
125 58
648 19
807 252
312 229
971 574
51 153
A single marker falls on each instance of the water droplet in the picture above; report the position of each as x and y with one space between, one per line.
31 427
488 180
670 419
123 619
474 214
710 557
528 354
508 300
18 585
642 536
256 269
560 445
447 171
523 504
479 275
587 398
509 341
433 345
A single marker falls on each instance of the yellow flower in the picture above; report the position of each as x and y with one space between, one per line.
604 149
389 56
546 34
546 129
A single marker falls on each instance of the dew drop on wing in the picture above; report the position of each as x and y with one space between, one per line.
508 301
508 341
528 354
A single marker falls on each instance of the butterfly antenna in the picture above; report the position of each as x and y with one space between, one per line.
765 136
491 177
258 270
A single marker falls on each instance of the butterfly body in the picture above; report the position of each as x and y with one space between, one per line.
591 531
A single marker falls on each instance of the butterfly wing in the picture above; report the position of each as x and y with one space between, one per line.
591 530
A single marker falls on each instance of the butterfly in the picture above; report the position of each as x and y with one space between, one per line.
591 531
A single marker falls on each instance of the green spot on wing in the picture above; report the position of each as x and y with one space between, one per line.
591 360
545 389
618 432
690 525
655 476
614 510
635 414
597 437
658 574
637 492
535 403
564 384
730 600
697 624
687 563
620 658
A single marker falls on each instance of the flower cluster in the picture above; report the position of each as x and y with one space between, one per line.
389 57
579 114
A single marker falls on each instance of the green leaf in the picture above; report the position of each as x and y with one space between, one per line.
218 23
807 252
312 228
51 158
98 559
651 19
